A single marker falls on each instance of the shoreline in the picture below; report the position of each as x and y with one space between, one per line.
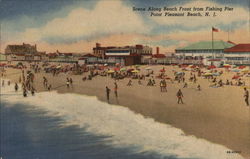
227 125
116 121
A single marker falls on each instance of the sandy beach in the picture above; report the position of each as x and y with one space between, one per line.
219 115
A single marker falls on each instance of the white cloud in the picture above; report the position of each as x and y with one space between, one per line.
107 17
225 17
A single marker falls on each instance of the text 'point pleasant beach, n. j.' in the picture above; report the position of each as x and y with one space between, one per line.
180 11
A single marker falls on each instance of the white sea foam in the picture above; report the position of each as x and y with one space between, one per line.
125 128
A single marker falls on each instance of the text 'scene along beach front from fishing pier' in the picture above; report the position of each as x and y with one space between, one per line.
125 79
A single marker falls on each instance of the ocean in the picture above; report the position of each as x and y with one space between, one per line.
71 126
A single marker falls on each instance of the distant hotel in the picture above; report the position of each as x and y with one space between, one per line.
24 52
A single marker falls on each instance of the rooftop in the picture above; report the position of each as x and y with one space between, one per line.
239 48
207 45
158 56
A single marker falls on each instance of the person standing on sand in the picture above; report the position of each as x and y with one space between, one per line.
32 91
139 82
179 96
199 87
67 83
49 88
164 85
107 92
3 83
246 96
115 90
16 87
161 85
185 85
24 92
44 81
153 81
194 79
71 82
129 83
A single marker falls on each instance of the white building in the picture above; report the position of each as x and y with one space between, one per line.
204 49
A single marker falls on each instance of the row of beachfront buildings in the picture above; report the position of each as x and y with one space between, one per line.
203 52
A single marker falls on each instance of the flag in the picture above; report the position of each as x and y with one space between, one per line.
215 30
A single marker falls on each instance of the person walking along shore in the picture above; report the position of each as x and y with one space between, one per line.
16 87
107 93
246 96
179 96
115 90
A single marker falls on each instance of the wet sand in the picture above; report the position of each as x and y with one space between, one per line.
215 114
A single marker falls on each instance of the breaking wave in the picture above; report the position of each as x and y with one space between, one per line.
125 128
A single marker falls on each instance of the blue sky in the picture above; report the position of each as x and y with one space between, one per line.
31 20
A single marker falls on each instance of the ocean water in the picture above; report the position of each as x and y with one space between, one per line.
57 126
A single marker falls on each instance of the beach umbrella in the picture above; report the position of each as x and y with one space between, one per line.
227 66
135 71
105 64
207 71
131 69
117 69
245 70
59 66
212 67
184 65
162 70
123 69
216 74
242 67
235 70
236 77
208 74
111 71
192 66
148 68
179 73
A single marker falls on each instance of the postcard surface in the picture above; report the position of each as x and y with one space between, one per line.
125 79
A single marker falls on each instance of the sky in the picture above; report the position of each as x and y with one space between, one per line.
76 25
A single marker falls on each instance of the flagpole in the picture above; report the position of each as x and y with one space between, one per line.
212 42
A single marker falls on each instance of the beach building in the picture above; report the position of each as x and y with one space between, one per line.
21 49
158 58
122 55
126 55
24 52
100 51
15 57
88 59
68 57
238 54
204 49
210 53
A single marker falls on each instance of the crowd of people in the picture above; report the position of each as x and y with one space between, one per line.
27 78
